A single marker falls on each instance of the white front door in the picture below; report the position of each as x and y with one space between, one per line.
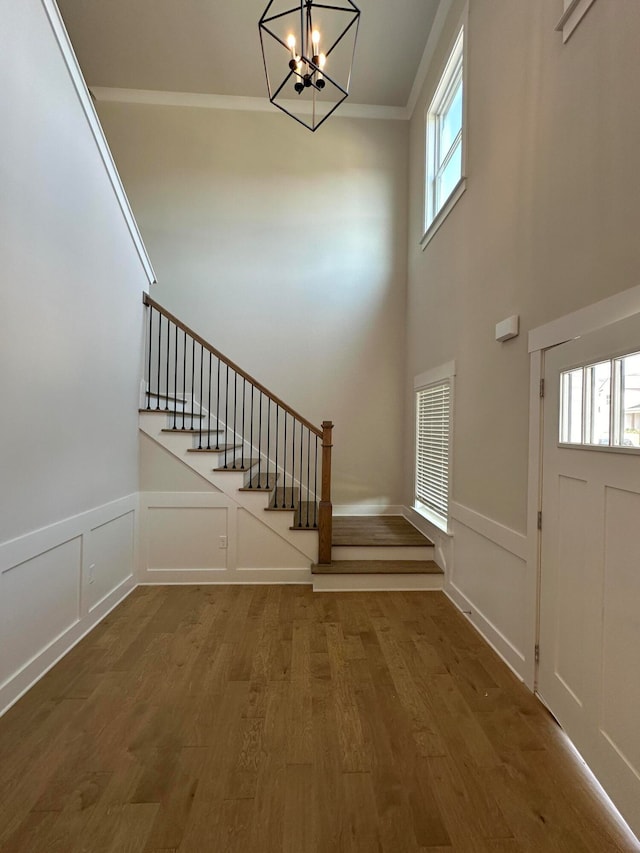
589 672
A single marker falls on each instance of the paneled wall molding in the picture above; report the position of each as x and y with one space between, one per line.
56 584
511 540
206 537
68 54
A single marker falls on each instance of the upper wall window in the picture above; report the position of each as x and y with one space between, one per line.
445 140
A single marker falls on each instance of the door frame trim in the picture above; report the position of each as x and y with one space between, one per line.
568 327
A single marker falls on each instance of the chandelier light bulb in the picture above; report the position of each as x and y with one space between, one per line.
291 44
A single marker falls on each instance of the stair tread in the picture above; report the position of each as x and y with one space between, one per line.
220 449
259 483
248 464
378 567
191 431
377 531
165 397
166 412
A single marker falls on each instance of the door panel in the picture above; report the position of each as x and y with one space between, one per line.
589 672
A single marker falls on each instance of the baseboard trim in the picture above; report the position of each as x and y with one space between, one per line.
487 630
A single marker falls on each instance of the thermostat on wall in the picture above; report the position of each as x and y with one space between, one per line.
508 328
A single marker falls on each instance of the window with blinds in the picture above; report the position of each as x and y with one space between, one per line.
433 420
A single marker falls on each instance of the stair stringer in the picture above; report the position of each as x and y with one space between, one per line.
229 483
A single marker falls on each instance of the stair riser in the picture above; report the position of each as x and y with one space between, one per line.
377 583
382 552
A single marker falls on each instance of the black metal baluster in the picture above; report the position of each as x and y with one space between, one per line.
235 416
149 368
209 408
175 381
251 440
218 409
293 461
315 490
201 396
244 397
308 473
184 379
260 442
226 416
159 348
167 407
284 471
300 480
268 438
193 373
275 476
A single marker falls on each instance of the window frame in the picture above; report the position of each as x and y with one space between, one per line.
439 376
436 210
615 402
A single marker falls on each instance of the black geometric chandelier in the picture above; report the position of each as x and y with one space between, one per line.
308 49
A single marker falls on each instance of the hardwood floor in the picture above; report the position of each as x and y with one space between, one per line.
360 530
248 719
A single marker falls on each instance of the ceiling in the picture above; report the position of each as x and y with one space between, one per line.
212 46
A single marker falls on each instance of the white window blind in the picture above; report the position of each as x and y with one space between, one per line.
432 447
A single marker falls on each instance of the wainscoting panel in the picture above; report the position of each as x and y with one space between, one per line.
260 548
56 584
43 595
110 557
186 538
487 580
206 537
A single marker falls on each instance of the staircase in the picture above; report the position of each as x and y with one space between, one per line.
269 460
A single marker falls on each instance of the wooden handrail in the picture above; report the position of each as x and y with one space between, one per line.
147 300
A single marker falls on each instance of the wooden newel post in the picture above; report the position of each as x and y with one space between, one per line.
325 514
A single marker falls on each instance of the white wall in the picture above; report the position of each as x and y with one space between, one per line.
548 224
71 311
287 251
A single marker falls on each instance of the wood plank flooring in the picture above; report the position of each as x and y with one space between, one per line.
362 530
269 718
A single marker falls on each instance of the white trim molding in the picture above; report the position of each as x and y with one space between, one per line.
584 320
435 374
70 59
574 12
444 7
508 539
238 103
56 584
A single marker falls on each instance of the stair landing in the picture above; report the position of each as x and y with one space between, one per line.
378 530
378 552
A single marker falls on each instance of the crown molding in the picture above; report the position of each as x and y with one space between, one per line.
435 34
236 102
